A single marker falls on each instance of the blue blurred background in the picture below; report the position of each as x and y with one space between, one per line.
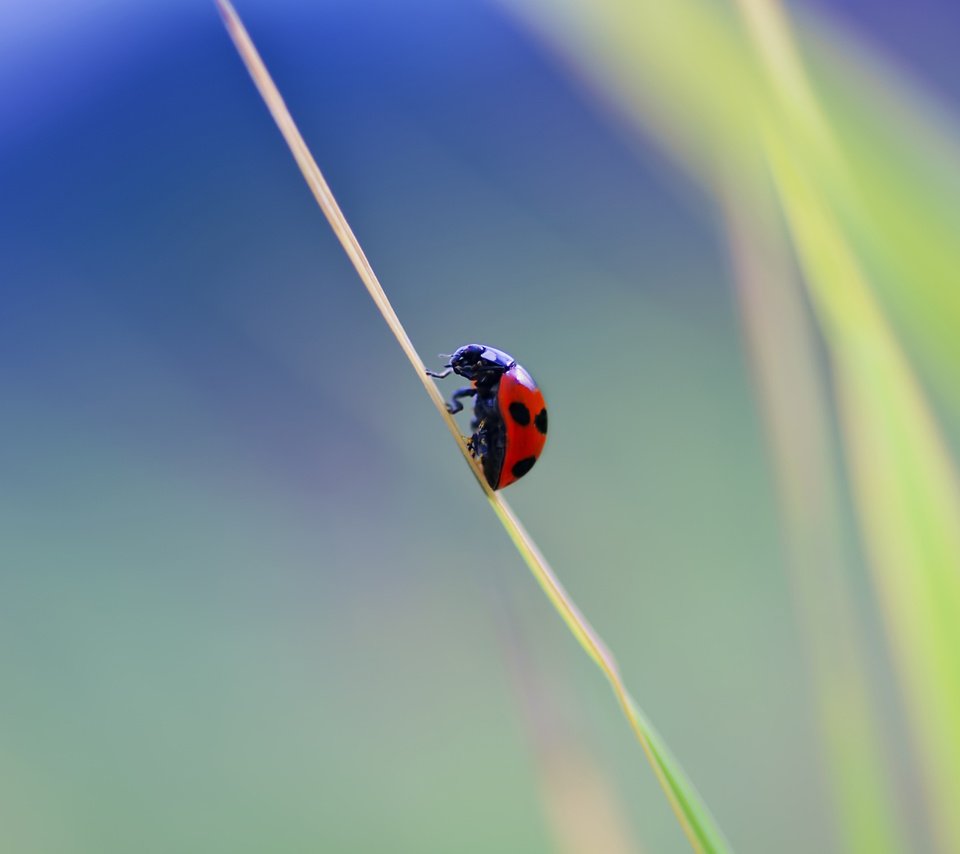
249 597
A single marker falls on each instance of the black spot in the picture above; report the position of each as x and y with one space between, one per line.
520 413
523 466
541 421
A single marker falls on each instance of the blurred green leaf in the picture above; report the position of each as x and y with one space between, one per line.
872 206
904 483
780 338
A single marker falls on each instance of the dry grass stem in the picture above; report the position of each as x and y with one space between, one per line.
692 816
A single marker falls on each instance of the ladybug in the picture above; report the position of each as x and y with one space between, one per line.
509 412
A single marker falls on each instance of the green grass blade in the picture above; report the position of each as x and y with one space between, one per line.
901 152
905 485
698 824
692 815
795 407
703 80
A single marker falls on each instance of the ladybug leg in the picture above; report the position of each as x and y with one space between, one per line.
440 374
455 405
476 444
483 410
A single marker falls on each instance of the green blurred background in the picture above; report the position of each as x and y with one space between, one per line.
250 599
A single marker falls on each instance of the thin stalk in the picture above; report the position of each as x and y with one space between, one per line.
692 815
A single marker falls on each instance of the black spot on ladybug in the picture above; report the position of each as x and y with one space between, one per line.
523 466
520 413
541 421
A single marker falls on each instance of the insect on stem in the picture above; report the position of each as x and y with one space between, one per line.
692 815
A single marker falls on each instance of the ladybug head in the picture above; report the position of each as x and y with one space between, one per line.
473 360
477 362
467 358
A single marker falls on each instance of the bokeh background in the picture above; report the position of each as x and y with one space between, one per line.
250 599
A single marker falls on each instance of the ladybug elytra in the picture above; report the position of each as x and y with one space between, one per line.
509 412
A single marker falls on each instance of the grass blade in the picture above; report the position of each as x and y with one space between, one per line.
702 84
905 486
905 483
795 406
694 818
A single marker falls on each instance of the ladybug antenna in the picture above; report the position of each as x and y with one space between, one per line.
447 367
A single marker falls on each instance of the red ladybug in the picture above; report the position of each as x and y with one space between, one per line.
509 412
